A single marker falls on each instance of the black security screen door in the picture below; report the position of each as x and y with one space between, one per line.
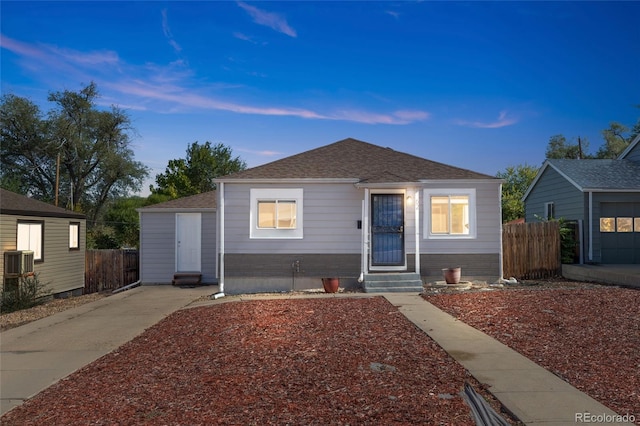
387 229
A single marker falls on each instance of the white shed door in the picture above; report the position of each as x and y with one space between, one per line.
188 242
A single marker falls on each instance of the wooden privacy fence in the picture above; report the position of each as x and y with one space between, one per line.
110 269
531 250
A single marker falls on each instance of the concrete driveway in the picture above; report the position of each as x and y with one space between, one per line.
36 355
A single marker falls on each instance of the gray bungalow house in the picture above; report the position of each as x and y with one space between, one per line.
372 216
601 196
178 237
57 238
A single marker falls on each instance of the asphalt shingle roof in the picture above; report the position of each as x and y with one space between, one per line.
17 204
600 174
354 159
206 200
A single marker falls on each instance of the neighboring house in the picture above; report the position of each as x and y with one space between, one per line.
55 235
178 236
601 196
356 211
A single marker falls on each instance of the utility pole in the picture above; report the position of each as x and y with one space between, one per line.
57 177
579 148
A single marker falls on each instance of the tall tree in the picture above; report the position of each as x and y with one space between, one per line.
195 173
516 181
96 161
616 140
559 147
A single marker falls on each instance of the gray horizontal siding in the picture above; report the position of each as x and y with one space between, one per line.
253 273
634 154
553 187
474 267
157 247
488 222
62 269
331 213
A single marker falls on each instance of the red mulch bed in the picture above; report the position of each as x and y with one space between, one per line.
590 337
308 361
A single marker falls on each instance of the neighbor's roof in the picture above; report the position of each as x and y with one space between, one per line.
599 174
17 204
594 174
354 159
205 200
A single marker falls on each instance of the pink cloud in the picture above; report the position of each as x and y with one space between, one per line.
268 19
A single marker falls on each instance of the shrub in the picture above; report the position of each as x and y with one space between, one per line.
23 293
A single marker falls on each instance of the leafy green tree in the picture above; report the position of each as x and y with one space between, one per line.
559 147
120 224
195 173
516 181
616 140
96 161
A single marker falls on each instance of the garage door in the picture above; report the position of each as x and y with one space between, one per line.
620 232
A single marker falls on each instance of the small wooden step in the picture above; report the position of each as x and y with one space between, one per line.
186 279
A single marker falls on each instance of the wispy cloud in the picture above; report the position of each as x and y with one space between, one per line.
392 13
168 88
261 153
268 19
167 32
503 121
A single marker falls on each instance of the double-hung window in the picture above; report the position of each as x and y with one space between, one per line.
450 213
276 213
31 237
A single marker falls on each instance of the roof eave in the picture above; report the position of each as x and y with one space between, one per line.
177 210
288 180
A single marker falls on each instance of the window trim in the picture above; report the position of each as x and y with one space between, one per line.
36 258
276 194
549 210
77 236
449 192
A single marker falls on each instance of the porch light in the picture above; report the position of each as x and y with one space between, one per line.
409 200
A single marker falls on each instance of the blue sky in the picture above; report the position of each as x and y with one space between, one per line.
478 85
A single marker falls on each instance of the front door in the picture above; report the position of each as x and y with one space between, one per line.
188 242
387 230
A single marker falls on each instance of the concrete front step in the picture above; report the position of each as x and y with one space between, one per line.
392 283
183 278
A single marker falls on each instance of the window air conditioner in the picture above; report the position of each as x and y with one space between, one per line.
18 263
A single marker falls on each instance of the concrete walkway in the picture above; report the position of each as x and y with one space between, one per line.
36 355
533 394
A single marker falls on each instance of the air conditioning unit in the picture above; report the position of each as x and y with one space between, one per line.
18 263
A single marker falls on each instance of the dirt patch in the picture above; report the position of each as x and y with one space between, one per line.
14 319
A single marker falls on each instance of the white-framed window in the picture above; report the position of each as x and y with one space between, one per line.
276 213
74 236
549 210
450 213
31 237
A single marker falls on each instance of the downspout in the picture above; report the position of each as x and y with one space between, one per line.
417 226
220 292
590 226
365 235
362 247
500 225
